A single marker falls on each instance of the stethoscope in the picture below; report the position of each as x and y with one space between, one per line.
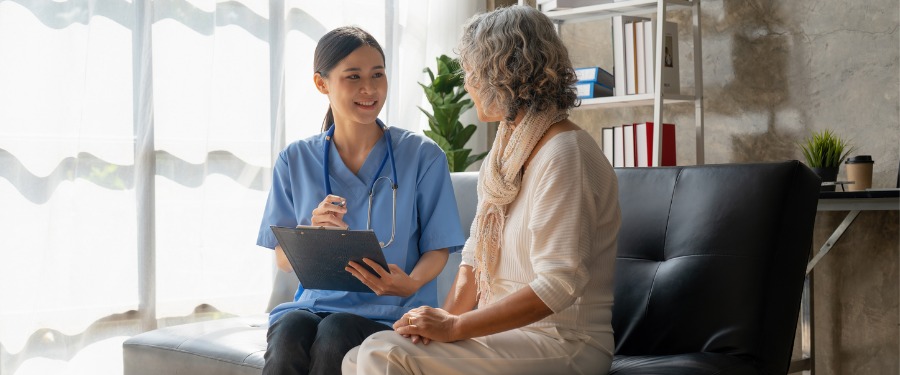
329 135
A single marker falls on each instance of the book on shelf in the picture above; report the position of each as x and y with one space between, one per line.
631 78
587 90
634 55
593 82
548 5
618 147
631 145
628 144
595 74
607 137
620 65
649 62
639 58
670 76
643 145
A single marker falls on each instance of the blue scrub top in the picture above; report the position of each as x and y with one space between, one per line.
427 217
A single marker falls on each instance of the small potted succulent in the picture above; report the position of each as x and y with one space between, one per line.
824 152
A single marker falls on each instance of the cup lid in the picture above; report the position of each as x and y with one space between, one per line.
859 159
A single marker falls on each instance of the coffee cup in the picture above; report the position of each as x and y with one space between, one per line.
859 170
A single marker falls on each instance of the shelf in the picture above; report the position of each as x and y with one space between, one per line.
632 101
609 10
648 8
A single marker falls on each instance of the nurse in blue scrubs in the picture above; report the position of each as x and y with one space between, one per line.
325 180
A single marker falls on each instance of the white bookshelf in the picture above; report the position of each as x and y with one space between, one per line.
608 10
632 100
657 99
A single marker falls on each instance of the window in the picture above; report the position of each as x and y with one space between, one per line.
136 146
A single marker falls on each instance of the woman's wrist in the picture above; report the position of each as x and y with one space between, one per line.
416 283
456 328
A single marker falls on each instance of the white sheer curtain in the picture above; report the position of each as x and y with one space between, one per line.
136 144
67 200
210 69
424 31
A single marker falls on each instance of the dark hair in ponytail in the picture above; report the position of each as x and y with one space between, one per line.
334 47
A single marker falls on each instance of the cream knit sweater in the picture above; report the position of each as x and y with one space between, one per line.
559 238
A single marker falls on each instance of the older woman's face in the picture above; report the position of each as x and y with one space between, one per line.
483 115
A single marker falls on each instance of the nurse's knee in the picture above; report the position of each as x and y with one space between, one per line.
293 325
340 324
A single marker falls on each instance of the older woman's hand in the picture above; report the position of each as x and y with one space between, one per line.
426 324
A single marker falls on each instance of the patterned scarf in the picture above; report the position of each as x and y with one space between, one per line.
500 186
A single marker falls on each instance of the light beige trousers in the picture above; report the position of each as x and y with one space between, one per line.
519 351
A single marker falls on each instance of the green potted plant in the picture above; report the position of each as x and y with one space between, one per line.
448 101
824 152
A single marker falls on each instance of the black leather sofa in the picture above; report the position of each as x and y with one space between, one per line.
708 278
710 267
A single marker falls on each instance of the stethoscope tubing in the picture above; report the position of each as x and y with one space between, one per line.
329 136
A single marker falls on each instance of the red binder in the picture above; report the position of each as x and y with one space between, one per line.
643 139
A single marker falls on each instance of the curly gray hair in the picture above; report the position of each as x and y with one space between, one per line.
515 60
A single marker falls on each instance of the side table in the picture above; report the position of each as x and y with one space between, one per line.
854 202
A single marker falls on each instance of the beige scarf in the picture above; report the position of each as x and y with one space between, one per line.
500 186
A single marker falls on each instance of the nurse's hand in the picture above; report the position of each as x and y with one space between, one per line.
395 283
329 214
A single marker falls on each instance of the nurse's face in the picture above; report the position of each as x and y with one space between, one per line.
356 87
483 115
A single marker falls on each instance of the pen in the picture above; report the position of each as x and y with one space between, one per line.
339 204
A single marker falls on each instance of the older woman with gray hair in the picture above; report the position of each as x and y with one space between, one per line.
534 292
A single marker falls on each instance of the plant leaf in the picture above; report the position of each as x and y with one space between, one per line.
430 73
465 133
440 140
448 99
824 149
475 158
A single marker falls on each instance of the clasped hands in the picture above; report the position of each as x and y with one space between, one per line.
425 324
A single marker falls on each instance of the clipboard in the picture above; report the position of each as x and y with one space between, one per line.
318 255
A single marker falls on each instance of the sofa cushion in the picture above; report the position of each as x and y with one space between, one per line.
224 346
682 364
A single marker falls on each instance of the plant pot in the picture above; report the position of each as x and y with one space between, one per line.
828 174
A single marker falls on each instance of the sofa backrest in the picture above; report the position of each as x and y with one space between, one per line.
464 190
712 259
465 185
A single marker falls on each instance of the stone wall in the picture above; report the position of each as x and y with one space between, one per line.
774 72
